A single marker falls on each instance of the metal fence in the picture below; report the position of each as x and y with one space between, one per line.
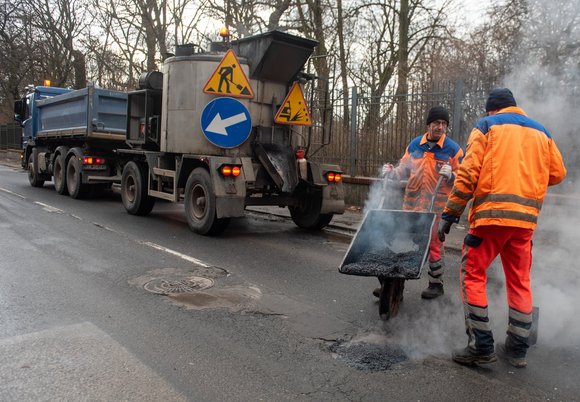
10 136
369 131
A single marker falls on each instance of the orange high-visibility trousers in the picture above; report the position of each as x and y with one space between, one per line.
481 246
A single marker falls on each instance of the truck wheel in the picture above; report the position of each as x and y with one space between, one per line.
200 204
33 176
307 215
59 176
74 182
134 190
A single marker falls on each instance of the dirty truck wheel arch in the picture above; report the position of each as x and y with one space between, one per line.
200 204
307 214
134 189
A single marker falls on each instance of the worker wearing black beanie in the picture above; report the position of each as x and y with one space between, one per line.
437 113
428 167
499 98
509 164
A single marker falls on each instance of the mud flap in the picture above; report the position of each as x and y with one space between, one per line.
332 199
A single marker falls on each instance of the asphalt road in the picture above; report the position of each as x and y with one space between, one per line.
278 321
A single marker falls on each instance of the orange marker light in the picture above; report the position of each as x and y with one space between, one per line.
226 170
236 171
330 176
224 32
337 177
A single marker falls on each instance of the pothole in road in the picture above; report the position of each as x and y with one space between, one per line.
368 356
234 298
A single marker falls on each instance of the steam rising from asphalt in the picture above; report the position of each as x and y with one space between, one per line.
550 94
545 84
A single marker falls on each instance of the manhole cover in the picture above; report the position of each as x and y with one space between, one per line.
368 356
163 286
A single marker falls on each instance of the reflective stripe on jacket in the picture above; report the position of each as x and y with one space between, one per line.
421 165
509 163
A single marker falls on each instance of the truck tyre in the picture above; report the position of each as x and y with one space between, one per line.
34 178
59 175
134 190
307 215
74 180
200 204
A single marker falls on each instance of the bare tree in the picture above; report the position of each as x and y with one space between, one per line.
59 23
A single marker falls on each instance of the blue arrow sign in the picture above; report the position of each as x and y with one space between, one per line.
226 122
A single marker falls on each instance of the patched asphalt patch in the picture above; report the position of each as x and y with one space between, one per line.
369 356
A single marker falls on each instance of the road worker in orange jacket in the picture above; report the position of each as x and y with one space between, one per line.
509 163
428 157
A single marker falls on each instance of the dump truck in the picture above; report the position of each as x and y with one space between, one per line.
218 131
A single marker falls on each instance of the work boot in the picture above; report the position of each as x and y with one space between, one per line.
434 290
506 354
467 357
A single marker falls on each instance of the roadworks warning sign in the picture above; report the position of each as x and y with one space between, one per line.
294 109
229 79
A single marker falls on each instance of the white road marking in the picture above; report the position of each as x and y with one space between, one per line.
12 192
176 253
49 208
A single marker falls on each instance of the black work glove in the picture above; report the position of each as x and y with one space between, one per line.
444 228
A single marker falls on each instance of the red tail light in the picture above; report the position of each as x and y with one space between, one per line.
90 160
333 177
230 170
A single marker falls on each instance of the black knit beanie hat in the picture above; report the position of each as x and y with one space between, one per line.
438 113
499 98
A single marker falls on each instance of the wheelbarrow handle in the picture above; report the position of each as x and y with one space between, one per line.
439 181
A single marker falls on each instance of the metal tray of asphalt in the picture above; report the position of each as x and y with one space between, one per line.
391 244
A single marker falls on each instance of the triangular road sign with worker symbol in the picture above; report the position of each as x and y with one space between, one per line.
294 109
229 79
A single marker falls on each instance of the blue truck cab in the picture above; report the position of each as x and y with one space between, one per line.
25 109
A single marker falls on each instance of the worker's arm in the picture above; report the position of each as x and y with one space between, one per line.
467 176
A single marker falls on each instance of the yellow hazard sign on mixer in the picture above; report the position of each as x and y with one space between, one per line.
294 109
229 79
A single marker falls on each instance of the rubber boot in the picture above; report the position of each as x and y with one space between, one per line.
434 290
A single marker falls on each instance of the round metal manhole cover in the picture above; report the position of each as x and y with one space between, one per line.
163 286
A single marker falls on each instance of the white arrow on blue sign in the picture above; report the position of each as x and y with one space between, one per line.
226 122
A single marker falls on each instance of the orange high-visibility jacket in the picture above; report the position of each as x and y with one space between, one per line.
421 165
509 163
